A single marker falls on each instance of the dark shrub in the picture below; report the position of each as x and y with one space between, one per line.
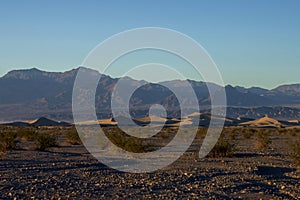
263 140
45 140
295 155
247 134
201 133
128 143
223 148
27 133
73 137
7 141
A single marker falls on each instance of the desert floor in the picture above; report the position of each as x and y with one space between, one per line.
70 172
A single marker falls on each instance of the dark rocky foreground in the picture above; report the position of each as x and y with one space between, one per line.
71 173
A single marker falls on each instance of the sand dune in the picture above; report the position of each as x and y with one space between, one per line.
294 121
195 114
152 118
191 120
109 121
31 121
263 122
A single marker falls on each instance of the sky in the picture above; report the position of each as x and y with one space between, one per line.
253 42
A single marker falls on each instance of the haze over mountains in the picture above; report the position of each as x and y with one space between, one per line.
30 94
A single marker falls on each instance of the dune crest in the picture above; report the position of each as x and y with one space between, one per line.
263 122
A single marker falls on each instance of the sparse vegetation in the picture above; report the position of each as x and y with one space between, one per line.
45 137
45 140
263 140
248 133
128 143
281 130
295 155
7 141
201 133
231 133
223 148
27 133
167 133
293 132
73 137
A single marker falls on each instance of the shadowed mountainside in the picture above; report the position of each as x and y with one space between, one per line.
27 94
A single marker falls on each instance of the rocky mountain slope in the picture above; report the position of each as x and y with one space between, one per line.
29 94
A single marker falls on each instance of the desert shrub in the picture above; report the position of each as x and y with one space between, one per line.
232 134
293 132
164 134
247 133
45 140
7 141
295 155
201 133
263 140
223 148
27 133
73 137
128 143
281 130
167 133
136 146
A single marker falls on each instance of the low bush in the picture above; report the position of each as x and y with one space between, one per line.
45 140
73 137
282 131
263 140
232 135
201 133
223 148
248 133
128 143
27 133
293 132
295 155
7 141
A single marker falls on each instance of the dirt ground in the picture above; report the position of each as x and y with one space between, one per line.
70 172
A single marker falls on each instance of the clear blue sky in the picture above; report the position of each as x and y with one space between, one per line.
253 42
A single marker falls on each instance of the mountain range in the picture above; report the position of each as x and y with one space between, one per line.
31 93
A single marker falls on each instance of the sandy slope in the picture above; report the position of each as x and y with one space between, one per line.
263 122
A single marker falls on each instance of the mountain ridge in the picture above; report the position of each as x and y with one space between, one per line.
24 73
31 93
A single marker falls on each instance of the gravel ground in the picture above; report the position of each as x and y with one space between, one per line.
70 172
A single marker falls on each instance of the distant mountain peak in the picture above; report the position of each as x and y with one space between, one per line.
292 89
35 69
25 74
37 74
43 121
32 92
